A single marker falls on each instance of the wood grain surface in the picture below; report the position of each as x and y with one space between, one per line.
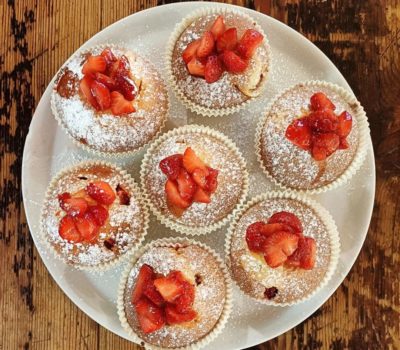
361 37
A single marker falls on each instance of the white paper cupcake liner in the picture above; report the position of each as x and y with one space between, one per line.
179 28
174 242
363 138
86 147
146 166
134 189
320 211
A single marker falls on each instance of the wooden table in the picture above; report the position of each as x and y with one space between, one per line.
361 37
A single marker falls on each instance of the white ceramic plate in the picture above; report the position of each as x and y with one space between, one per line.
294 59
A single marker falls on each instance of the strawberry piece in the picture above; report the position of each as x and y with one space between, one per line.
228 40
108 55
101 94
186 185
213 69
173 196
171 286
105 80
218 27
152 294
255 239
120 67
119 105
171 166
101 192
150 316
123 195
320 101
233 63
126 87
345 124
87 227
206 46
98 213
85 86
284 217
83 194
201 196
174 317
144 278
343 144
94 64
196 67
185 302
68 231
323 121
200 177
299 133
319 153
191 162
304 255
190 51
278 246
73 206
249 42
271 228
176 211
211 180
328 141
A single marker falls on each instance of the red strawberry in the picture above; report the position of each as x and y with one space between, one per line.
319 153
150 316
278 246
343 144
101 192
211 180
177 211
191 162
284 217
206 46
228 40
105 80
123 195
345 124
171 166
73 206
126 87
99 214
200 177
271 228
174 317
218 27
119 67
186 185
85 86
213 69
101 94
201 196
94 64
87 227
190 51
323 121
171 286
329 141
320 101
304 255
255 239
108 56
233 63
249 42
152 294
299 133
68 231
145 277
185 301
196 67
83 194
119 105
173 196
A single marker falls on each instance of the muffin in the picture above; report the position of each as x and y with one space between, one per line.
218 60
282 248
93 215
193 178
174 294
313 137
110 100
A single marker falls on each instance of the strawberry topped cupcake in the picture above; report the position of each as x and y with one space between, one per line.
110 100
218 60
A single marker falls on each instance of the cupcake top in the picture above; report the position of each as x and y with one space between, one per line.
280 250
110 99
302 146
199 270
92 215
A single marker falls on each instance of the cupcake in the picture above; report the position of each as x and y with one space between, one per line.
93 215
110 100
174 294
218 60
282 248
313 137
193 178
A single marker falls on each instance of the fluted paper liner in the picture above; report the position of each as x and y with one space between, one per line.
130 184
320 211
363 138
145 167
174 242
179 28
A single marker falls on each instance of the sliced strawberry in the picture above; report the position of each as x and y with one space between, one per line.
73 206
200 177
68 231
99 214
191 162
196 67
345 124
152 294
213 69
87 227
218 27
171 166
343 144
190 51
228 40
186 185
211 180
83 194
105 80
170 287
123 195
173 196
329 141
174 317
249 42
304 255
176 211
150 316
233 63
319 153
94 64
144 278
120 67
201 196
126 87
255 239
119 105
284 217
278 246
206 46
101 192
85 86
271 228
299 133
185 302
323 121
108 56
101 94
320 101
